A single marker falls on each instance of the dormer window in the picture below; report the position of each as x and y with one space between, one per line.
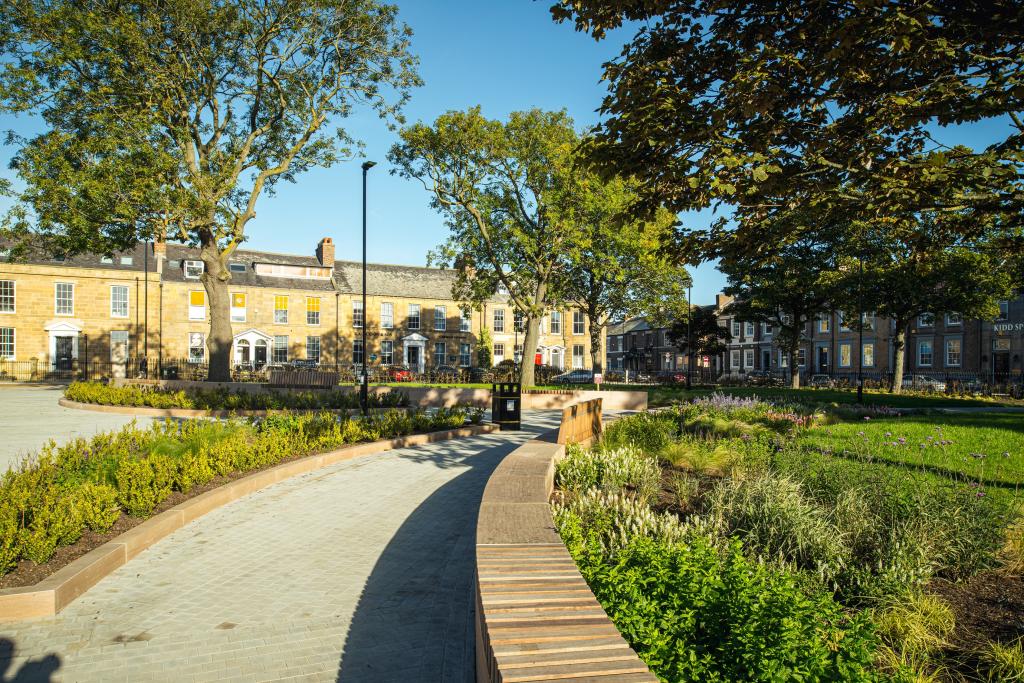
236 267
194 270
106 259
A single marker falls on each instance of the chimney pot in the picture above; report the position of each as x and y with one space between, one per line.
325 252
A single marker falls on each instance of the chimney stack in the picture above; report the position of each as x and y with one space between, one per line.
325 252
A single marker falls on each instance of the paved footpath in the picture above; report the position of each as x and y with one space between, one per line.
357 572
30 416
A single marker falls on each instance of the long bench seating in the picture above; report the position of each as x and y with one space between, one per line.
303 379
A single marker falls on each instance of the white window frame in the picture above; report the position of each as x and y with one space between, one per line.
735 357
748 330
235 318
748 358
824 325
959 353
387 352
14 343
801 357
189 266
319 348
767 329
358 352
863 355
387 320
14 297
735 325
783 359
127 343
439 358
313 317
196 312
499 351
465 355
274 348
579 324
56 298
926 320
555 322
843 327
408 316
283 319
201 346
440 321
358 314
578 364
466 321
931 353
849 355
127 301
498 316
954 320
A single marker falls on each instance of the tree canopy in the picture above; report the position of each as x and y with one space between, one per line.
173 118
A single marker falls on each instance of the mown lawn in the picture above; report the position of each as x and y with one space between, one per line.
984 449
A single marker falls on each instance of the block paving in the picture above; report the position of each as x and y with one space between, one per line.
362 571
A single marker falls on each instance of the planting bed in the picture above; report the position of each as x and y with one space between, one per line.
732 539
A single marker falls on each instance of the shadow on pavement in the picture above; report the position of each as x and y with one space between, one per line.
33 671
414 620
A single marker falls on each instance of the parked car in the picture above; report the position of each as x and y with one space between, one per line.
671 377
398 373
923 383
574 377
821 382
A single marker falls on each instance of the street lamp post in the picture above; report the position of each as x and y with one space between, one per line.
364 389
860 333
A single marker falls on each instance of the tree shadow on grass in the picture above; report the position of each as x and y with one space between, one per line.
31 671
414 619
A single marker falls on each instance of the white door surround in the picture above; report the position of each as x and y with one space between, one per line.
246 342
63 328
419 342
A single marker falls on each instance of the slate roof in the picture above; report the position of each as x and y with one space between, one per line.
176 253
41 257
631 325
389 280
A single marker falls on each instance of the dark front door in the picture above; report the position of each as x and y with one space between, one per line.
414 358
65 352
261 354
1001 365
822 359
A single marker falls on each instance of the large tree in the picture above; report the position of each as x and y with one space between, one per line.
506 190
830 107
174 117
616 268
902 269
783 284
699 334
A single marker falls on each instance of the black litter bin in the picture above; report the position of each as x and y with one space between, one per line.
170 372
506 405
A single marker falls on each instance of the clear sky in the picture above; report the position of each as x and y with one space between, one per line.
504 55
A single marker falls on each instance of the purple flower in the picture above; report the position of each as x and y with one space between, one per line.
867 417
902 440
888 434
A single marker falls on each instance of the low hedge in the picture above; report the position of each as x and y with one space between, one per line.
88 483
225 399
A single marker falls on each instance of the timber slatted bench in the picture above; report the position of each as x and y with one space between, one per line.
537 620
303 379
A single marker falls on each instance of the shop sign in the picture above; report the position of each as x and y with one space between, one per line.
1008 327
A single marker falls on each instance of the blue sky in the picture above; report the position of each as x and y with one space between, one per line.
506 56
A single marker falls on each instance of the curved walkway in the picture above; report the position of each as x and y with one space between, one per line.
358 572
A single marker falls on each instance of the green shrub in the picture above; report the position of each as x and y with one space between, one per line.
777 521
697 613
650 432
143 483
1004 662
620 469
97 504
614 520
10 538
55 521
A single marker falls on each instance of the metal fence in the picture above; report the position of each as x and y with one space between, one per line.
944 382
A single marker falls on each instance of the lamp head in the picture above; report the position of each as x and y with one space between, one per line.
367 165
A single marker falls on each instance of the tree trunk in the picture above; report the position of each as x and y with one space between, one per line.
899 357
215 279
595 344
526 372
794 369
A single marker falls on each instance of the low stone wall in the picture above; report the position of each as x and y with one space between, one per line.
536 618
58 590
541 399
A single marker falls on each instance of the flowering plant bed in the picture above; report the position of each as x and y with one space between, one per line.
731 539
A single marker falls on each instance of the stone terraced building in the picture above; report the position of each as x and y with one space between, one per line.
56 312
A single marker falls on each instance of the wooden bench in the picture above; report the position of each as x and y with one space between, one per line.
581 423
303 379
536 618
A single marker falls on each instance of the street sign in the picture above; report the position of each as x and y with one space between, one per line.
598 378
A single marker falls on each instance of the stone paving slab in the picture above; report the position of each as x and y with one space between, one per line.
358 572
30 416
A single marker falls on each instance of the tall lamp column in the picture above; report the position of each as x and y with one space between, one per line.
364 389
